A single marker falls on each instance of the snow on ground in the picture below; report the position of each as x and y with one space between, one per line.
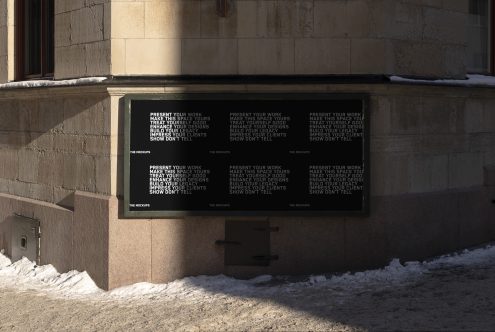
471 80
25 275
455 292
50 83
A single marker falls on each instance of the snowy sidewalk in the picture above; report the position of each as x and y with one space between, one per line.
449 293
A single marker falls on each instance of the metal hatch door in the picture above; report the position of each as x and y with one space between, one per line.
25 238
247 242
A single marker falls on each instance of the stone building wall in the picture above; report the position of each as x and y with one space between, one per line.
431 152
431 163
82 38
6 40
53 143
432 156
423 38
423 139
427 139
187 37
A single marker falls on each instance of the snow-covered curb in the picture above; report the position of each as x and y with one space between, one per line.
50 83
471 80
24 275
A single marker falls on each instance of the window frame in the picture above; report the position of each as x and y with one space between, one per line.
491 38
20 35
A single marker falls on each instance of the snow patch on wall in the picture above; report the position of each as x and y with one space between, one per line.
471 80
51 83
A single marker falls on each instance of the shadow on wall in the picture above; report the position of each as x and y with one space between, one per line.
51 146
5 233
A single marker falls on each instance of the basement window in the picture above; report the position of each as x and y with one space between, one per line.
34 39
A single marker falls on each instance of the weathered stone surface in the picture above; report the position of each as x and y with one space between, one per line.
98 58
103 175
70 61
172 19
94 37
369 56
86 25
9 164
390 174
168 245
429 173
153 56
79 172
91 236
489 175
266 56
122 14
465 170
128 260
322 56
209 56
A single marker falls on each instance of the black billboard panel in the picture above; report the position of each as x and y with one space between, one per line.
246 154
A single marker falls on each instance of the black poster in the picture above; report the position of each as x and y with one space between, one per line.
246 154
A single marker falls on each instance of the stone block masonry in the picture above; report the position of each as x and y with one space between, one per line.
53 144
289 37
431 185
174 37
82 38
